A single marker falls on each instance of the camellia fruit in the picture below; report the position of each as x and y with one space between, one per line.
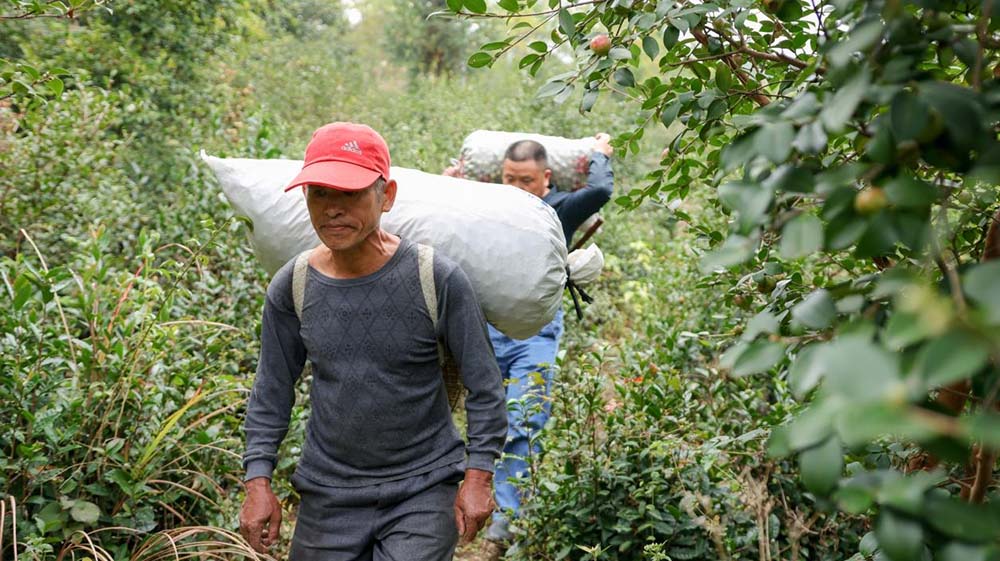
870 200
601 45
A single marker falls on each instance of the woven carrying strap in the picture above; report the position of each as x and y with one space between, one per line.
425 261
452 380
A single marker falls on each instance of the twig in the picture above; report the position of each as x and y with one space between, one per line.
532 14
62 315
977 81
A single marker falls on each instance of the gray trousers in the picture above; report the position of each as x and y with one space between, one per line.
408 520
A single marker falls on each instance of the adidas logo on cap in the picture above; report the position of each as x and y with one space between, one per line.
352 146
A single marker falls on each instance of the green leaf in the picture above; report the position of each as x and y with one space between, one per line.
802 236
909 192
902 539
475 6
854 499
623 76
551 88
811 138
763 322
774 141
651 47
670 36
56 86
840 108
566 23
540 46
669 113
805 105
952 357
495 46
619 53
861 38
588 100
750 200
723 77
85 512
980 284
480 59
904 329
564 94
455 5
821 466
760 356
860 423
50 518
528 60
700 70
985 428
906 493
806 371
816 310
813 425
509 5
23 289
956 518
957 551
859 370
31 71
909 116
735 250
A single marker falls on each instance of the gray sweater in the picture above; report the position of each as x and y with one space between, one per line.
379 407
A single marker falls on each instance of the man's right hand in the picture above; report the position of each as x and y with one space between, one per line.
260 517
603 144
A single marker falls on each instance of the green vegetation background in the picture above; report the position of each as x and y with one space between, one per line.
128 333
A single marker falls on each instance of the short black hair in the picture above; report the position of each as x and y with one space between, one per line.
524 150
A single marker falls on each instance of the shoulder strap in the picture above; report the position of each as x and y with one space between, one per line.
299 275
425 263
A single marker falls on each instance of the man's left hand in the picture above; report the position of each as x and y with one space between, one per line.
474 503
603 144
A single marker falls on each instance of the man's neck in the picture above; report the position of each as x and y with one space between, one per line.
361 260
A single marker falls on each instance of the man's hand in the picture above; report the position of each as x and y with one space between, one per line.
260 517
474 503
603 144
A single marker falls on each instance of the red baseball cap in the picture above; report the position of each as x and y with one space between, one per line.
344 156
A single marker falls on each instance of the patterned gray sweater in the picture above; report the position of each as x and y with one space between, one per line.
379 407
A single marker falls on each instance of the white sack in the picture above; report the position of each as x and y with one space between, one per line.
585 265
569 158
508 242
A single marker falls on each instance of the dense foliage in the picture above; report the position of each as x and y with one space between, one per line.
837 167
855 146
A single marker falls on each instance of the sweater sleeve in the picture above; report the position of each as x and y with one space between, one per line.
580 204
463 329
282 357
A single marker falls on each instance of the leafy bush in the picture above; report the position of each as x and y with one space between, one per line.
119 413
853 146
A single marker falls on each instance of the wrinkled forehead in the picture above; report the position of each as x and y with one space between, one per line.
526 167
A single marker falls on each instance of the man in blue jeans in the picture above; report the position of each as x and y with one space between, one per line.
526 365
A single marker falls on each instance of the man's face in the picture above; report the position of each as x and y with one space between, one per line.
344 219
528 175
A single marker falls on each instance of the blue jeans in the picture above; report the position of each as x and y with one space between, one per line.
526 366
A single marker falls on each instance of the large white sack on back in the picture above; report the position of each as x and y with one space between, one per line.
569 158
508 242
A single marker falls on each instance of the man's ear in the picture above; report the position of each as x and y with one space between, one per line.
390 195
548 176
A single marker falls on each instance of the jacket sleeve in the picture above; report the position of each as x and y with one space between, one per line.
580 204
282 357
462 326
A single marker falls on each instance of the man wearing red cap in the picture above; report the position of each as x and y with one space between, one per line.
379 472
